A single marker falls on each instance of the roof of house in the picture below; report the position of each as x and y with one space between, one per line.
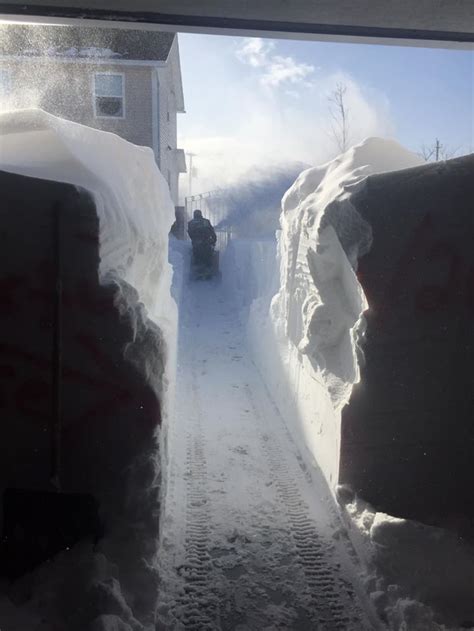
84 42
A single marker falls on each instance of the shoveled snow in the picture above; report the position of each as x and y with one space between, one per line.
132 199
305 333
420 578
304 316
250 537
320 302
247 537
135 214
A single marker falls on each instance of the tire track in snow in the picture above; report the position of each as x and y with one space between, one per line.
266 562
197 607
328 598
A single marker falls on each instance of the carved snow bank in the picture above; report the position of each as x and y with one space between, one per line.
418 576
320 302
118 334
407 433
305 337
132 198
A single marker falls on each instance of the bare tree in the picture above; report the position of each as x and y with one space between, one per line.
437 151
339 116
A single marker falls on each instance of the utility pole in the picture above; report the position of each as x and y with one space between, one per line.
190 186
437 149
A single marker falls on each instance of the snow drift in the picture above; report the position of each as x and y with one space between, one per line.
134 213
419 577
306 328
132 197
306 323
415 394
320 302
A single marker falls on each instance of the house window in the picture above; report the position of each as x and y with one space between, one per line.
109 95
5 83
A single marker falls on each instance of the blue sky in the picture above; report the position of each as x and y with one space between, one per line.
250 101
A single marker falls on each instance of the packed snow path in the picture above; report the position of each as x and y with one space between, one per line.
247 541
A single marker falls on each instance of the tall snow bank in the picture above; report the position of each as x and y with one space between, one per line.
306 337
131 196
420 578
320 302
132 335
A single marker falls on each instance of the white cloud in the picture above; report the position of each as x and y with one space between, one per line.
255 52
276 70
285 69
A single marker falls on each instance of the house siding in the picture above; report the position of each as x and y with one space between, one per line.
168 130
67 90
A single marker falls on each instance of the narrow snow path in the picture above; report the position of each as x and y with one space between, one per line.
247 541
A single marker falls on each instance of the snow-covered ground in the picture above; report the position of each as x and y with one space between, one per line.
248 540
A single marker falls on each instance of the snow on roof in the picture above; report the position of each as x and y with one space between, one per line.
84 42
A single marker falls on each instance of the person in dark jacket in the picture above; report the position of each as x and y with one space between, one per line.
203 238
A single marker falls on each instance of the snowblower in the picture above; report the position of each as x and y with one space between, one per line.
204 263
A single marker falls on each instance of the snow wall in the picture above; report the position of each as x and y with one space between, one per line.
407 434
118 342
358 319
303 303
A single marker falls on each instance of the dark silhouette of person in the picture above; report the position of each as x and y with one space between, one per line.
203 238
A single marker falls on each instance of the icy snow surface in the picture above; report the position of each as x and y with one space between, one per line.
247 540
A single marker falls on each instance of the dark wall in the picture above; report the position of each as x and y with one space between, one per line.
408 432
108 410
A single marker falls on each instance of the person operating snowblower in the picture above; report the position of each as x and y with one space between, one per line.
203 238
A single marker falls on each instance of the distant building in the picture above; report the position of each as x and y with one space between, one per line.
123 81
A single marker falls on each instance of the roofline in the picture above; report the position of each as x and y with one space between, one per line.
93 61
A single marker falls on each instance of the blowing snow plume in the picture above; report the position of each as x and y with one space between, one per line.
252 205
275 109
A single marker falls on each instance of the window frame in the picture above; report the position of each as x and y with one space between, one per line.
95 95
